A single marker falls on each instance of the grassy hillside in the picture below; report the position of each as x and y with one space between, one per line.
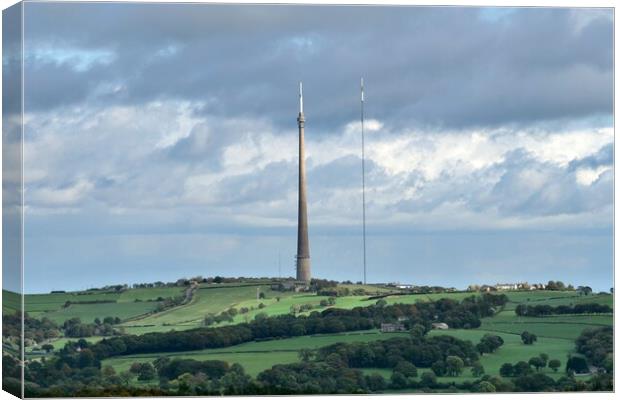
136 308
206 299
257 356
89 305
513 350
149 294
162 309
217 298
39 304
556 341
88 312
555 326
11 302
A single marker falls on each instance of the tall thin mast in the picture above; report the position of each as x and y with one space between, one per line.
303 246
363 179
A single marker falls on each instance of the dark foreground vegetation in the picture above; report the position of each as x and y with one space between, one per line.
329 370
416 362
80 362
545 310
597 345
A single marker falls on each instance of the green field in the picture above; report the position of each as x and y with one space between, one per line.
206 299
37 304
556 334
128 304
146 294
11 302
45 304
258 356
556 326
217 298
514 350
88 312
554 298
558 329
135 306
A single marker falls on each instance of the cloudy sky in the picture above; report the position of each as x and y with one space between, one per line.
160 142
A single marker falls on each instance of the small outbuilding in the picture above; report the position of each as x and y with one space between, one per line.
439 325
387 328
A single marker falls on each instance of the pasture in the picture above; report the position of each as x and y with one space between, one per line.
554 326
88 312
11 302
257 356
149 294
42 304
556 334
206 299
512 351
135 306
92 304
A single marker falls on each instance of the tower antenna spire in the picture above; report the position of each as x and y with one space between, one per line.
301 98
363 177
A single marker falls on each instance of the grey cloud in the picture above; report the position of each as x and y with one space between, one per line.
530 187
273 182
344 172
520 186
206 142
203 143
425 66
48 85
604 157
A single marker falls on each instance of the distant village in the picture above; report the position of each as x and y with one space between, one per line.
551 285
509 286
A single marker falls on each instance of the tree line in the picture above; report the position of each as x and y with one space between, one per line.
37 331
418 350
597 346
545 309
465 314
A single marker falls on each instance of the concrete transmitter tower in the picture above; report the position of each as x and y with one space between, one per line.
303 245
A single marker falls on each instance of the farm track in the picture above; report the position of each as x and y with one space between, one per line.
189 299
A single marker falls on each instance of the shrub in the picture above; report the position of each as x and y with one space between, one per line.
577 364
428 379
528 338
506 370
454 365
554 364
406 368
477 369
